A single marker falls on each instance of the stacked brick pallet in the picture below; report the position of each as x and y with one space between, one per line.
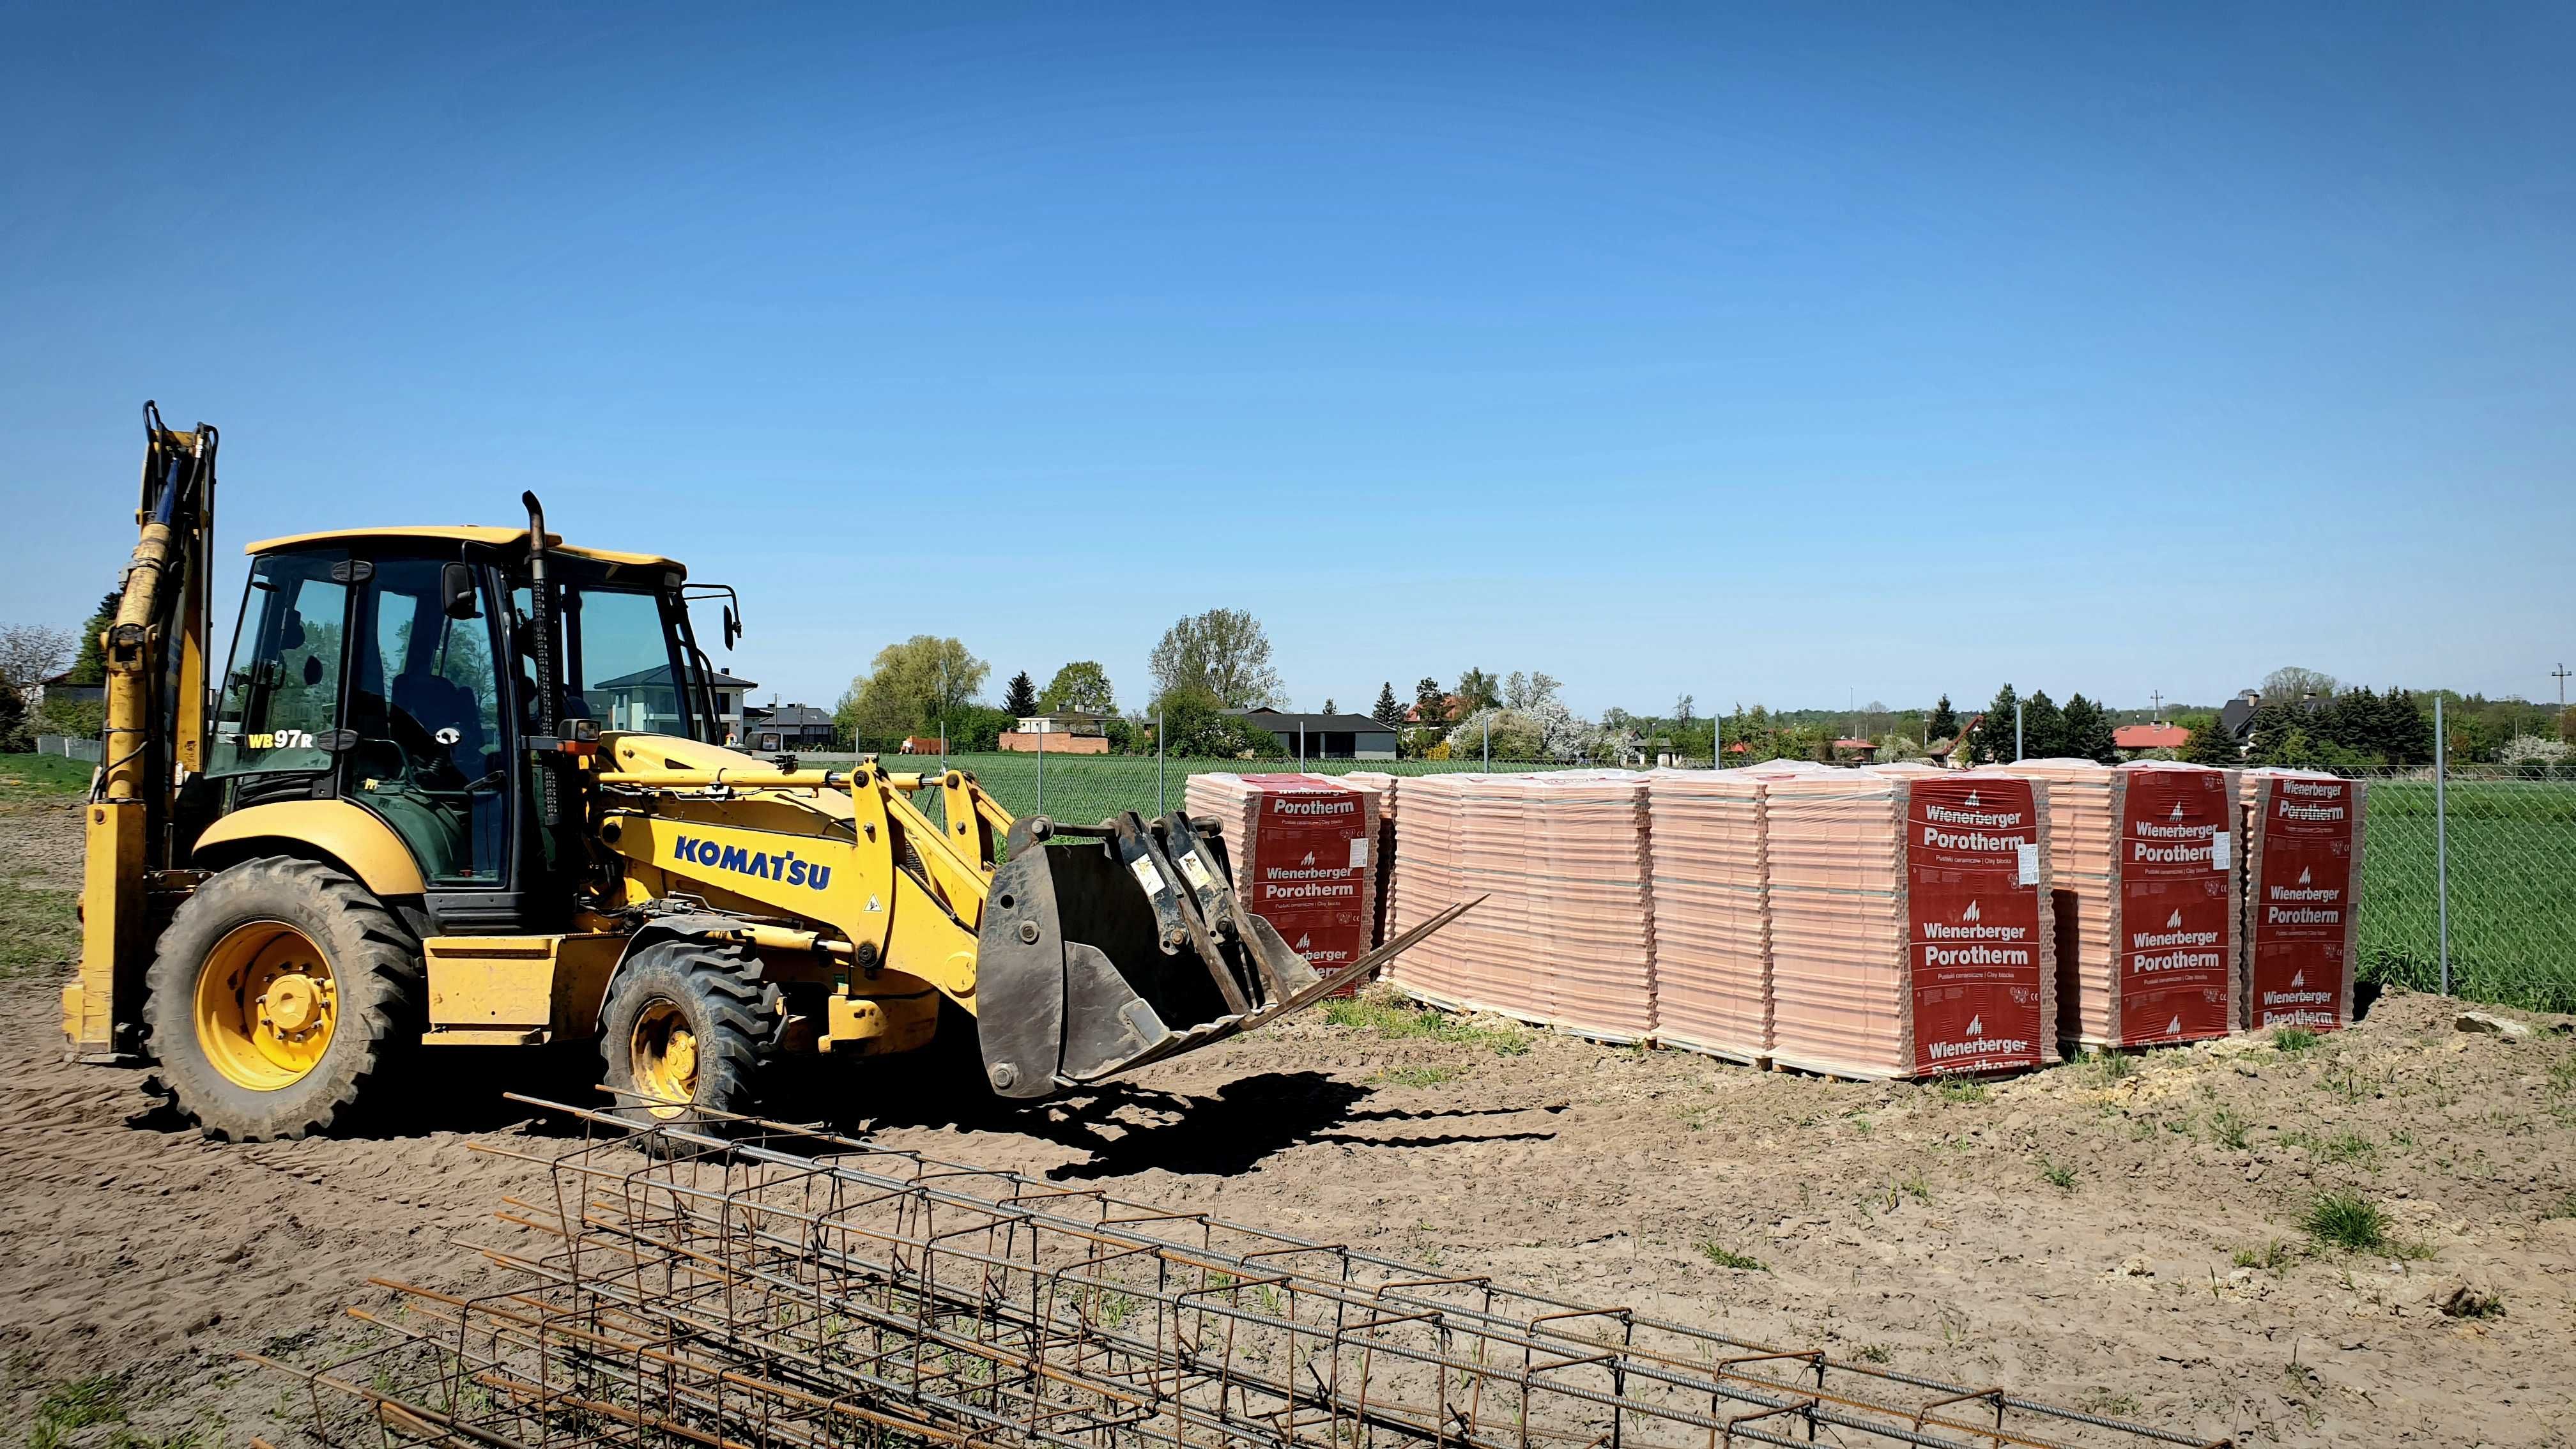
1566 937
1384 785
2145 900
1907 926
1712 970
2303 849
1304 851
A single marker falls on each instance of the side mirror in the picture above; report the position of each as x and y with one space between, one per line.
456 593
732 627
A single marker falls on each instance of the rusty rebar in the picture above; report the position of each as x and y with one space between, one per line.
779 1286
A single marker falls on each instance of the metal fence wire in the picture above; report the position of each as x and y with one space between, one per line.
777 1287
2496 843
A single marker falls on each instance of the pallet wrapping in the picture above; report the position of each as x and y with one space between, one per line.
1565 938
1908 922
1384 784
2302 842
1304 850
1712 912
2145 901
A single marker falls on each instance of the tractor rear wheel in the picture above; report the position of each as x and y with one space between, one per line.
688 1028
280 992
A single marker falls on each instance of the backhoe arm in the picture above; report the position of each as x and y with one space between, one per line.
155 732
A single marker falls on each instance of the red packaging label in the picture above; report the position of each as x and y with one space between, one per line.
1974 923
2178 932
2303 904
1310 867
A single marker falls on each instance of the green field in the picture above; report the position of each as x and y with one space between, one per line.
2512 847
24 776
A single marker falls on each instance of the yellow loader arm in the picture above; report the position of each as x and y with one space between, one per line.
1083 951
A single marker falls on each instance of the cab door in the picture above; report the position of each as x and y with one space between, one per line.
428 751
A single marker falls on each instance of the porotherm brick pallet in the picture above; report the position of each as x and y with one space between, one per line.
2303 848
2145 900
1304 854
1909 928
1712 908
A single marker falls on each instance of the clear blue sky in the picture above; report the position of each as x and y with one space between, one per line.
1767 353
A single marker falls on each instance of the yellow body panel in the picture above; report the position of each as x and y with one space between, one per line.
114 941
463 533
490 983
358 840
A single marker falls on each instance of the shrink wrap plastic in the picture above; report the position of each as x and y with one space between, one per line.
2302 844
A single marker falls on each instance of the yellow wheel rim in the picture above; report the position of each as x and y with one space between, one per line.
663 1053
266 1006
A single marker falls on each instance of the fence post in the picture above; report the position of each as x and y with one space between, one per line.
1041 772
1489 744
2017 752
1301 746
2441 845
1160 808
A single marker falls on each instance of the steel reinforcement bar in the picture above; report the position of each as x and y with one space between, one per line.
777 1286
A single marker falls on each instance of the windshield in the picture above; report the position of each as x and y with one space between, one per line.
621 660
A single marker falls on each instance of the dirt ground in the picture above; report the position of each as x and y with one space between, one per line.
2127 1240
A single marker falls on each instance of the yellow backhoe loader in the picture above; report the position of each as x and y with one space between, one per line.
464 786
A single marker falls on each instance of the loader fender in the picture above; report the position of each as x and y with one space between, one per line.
335 830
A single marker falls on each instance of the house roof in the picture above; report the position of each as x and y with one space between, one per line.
2150 737
1855 744
796 716
1315 724
661 674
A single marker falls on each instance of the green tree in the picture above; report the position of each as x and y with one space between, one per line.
1083 685
1196 727
1943 722
2043 728
1020 696
13 721
2087 731
90 665
1222 652
2208 744
1478 690
1387 711
1994 737
1430 700
2289 684
909 688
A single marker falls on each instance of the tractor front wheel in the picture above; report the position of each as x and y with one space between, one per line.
281 990
686 1031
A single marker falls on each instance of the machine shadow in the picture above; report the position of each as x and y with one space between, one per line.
1127 1129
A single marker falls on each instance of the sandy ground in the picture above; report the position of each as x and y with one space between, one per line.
1926 1227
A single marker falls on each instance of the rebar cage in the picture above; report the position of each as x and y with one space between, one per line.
784 1287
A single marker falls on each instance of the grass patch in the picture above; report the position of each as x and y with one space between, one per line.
2272 1257
2565 1207
2291 1040
1726 1258
2347 1220
1417 1076
2108 1065
32 777
1409 1023
2342 1147
2059 1175
1875 1353
75 1406
2230 1129
1963 1091
38 929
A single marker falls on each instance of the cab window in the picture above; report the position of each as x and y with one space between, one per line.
425 708
282 692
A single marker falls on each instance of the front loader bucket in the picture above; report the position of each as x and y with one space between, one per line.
1104 948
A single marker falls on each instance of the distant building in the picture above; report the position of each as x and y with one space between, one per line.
642 701
789 727
2236 717
1954 753
1858 751
2138 738
1064 732
1324 736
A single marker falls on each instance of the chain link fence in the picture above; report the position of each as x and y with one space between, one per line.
2496 844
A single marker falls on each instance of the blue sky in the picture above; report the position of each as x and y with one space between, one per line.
1766 354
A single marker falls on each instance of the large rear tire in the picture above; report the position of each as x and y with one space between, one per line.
282 992
687 1034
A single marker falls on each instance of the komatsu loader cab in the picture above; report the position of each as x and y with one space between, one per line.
470 786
